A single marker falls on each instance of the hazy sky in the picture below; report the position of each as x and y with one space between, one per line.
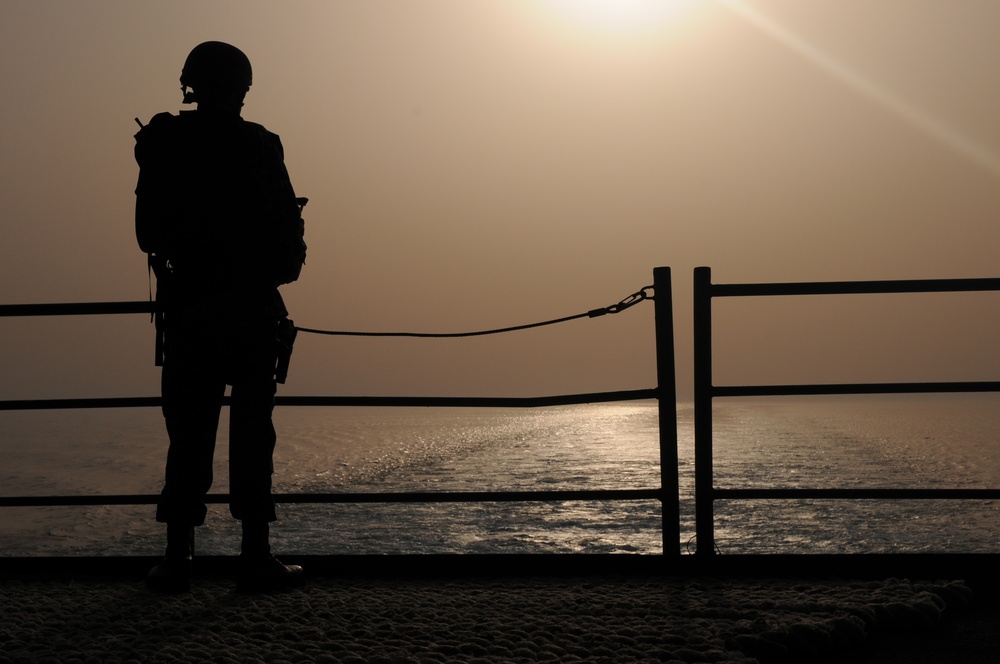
481 164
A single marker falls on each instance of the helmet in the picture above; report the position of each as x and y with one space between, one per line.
217 65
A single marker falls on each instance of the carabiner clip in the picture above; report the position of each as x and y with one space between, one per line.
631 300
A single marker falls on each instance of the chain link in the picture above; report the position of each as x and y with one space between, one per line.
630 301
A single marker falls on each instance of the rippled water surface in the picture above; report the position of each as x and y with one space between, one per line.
922 441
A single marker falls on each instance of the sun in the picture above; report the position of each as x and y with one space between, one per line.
619 16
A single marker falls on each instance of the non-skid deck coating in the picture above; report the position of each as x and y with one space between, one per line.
594 618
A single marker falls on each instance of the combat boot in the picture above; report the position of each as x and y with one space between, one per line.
173 575
259 570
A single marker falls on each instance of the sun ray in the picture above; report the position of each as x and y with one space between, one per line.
903 109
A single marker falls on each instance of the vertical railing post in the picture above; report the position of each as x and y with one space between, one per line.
703 480
666 381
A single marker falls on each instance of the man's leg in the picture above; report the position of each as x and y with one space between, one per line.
251 466
192 400
251 450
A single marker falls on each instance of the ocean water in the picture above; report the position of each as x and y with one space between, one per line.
888 442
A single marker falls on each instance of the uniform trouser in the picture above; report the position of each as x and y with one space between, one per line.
192 402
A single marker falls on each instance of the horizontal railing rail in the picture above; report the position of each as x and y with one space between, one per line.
853 388
705 391
388 401
855 287
857 494
667 494
356 497
76 309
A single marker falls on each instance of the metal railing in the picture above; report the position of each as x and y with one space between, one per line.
665 393
704 392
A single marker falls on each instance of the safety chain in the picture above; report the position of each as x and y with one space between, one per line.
630 301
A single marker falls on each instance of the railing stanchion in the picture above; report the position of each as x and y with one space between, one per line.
703 481
666 380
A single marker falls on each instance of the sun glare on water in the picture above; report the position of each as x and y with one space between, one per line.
619 16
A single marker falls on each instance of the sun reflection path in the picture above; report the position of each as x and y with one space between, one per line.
916 117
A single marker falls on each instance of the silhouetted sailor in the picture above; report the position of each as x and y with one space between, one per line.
217 215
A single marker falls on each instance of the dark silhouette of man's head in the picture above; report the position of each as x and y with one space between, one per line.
216 76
